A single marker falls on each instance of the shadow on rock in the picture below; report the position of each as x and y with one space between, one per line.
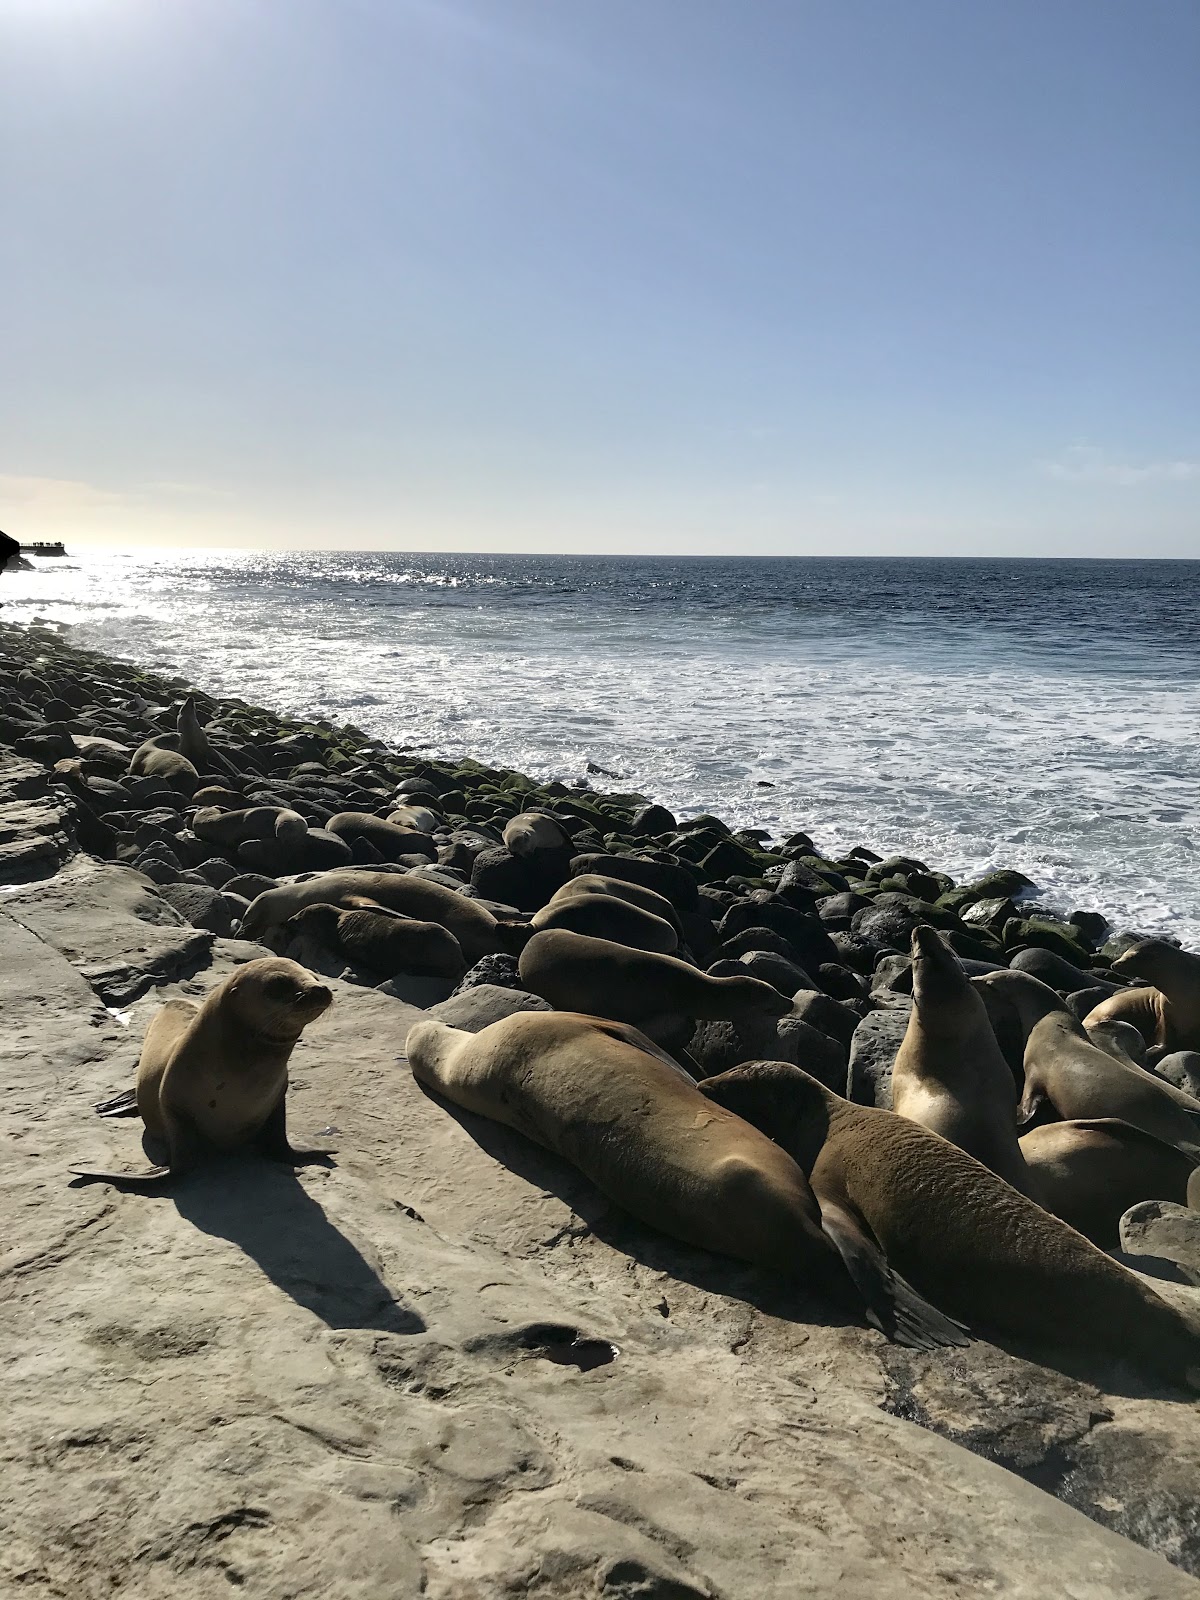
817 1301
267 1212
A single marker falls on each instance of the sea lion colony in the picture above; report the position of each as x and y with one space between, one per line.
706 989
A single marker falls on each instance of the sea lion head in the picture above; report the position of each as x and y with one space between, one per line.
277 998
1151 959
940 986
428 1044
754 996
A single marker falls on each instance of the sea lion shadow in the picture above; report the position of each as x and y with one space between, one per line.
829 1303
265 1210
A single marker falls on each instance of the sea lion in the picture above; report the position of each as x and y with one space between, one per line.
961 1235
216 1075
176 771
417 819
632 1121
215 825
1081 1081
605 916
659 994
1168 1016
476 929
949 1074
390 841
384 941
635 893
667 878
531 831
1193 1190
1120 1039
1089 1172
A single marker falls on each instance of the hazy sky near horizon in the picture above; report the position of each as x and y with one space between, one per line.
785 277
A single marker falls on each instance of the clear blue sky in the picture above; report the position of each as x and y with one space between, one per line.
849 276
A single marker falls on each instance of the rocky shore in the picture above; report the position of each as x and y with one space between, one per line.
445 1366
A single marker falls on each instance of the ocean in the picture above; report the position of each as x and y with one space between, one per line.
975 713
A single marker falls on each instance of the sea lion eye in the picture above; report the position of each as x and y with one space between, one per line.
279 989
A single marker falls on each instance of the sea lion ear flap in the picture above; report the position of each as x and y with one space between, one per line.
892 1305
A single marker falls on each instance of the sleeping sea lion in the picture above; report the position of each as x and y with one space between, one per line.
961 1235
216 1075
384 941
949 1074
216 825
390 841
531 831
476 929
657 993
418 819
632 1121
605 916
635 893
1089 1172
150 760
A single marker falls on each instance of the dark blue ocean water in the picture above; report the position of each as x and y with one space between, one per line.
1042 714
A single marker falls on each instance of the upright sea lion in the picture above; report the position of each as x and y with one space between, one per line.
605 916
476 929
633 1122
957 1232
1193 1190
949 1074
1167 1015
1064 1068
1090 1172
216 1075
658 994
384 941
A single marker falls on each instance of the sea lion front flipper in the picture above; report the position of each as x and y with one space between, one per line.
121 1105
272 1140
893 1305
149 1178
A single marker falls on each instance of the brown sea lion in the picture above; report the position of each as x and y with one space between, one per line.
1193 1190
390 841
476 929
1090 1172
962 1236
1166 1015
658 994
384 941
215 1075
1080 1081
635 893
417 819
949 1074
175 770
606 916
531 831
601 1095
215 825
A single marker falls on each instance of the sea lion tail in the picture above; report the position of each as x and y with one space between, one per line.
121 1105
149 1178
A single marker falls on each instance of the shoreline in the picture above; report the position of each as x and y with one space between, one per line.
492 794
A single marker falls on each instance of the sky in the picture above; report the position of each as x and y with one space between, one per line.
675 276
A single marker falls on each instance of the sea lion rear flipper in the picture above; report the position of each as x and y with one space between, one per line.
121 1105
150 1178
893 1306
272 1140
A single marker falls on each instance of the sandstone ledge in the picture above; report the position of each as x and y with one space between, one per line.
398 1376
